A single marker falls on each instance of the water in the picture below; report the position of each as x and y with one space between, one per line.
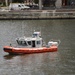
61 62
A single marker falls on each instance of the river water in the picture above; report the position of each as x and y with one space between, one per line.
61 62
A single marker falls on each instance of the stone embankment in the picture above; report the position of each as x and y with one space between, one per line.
38 14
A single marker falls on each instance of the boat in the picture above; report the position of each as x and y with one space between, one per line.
33 44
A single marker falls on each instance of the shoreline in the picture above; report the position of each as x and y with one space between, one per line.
38 14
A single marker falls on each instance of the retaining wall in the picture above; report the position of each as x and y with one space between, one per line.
37 14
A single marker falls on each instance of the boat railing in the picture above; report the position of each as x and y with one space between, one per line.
54 42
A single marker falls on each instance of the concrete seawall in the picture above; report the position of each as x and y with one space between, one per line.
37 14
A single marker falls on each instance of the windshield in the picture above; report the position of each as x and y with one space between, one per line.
22 43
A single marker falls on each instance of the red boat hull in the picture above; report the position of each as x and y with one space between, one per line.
13 50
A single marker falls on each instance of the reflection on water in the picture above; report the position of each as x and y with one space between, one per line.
33 65
61 62
9 57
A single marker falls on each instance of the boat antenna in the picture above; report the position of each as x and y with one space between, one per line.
40 31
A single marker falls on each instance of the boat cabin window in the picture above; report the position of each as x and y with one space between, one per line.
38 42
29 42
34 35
22 43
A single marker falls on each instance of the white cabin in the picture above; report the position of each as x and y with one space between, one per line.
31 42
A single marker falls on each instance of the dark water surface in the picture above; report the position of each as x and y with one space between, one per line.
61 62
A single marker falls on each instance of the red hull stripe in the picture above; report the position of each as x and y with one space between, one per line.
29 50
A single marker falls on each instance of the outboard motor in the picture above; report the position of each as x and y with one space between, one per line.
51 43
